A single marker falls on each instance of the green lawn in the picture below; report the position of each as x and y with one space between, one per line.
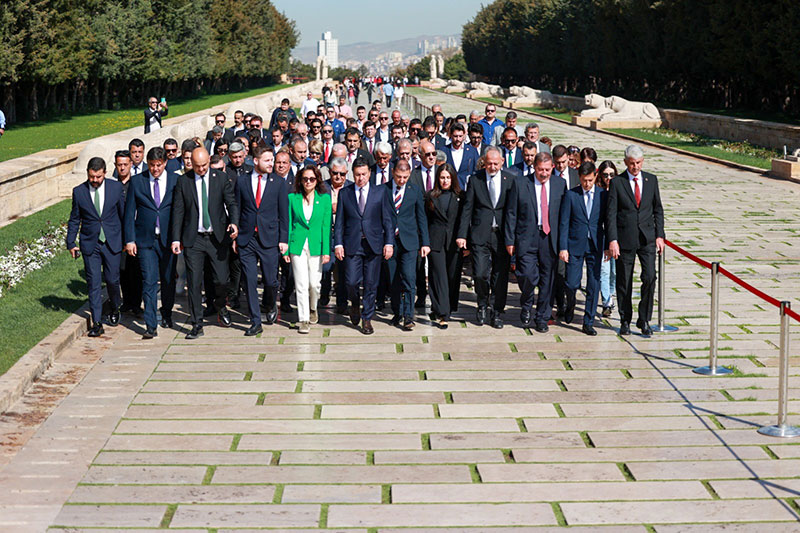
704 146
31 137
556 113
45 298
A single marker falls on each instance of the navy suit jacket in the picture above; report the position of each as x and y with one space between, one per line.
580 232
522 216
84 217
376 224
174 165
517 159
271 216
468 163
411 221
373 177
141 212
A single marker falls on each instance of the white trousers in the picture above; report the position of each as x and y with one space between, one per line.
307 270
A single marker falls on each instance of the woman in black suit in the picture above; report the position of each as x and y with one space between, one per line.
443 206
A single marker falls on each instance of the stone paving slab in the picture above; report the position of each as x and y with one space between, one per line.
467 429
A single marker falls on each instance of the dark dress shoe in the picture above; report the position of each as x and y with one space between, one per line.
253 330
589 330
396 320
166 322
482 315
366 329
625 328
542 327
497 322
355 314
224 317
271 316
149 333
569 314
324 301
408 323
286 307
525 318
646 329
96 330
113 318
420 303
197 331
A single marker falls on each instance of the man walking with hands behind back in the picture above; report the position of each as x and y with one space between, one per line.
205 218
635 228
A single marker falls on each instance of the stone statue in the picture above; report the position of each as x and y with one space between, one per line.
455 86
484 90
319 68
440 63
434 74
438 83
524 95
324 68
618 108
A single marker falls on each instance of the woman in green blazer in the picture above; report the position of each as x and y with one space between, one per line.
309 241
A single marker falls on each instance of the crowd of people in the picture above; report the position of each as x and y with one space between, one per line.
372 208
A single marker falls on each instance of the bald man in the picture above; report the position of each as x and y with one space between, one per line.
205 220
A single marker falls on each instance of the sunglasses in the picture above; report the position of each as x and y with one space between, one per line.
334 173
222 150
172 150
315 127
491 110
428 154
220 121
608 174
309 180
327 131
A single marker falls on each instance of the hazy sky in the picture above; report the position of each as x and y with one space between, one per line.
377 20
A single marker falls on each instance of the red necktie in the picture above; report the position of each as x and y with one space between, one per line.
327 151
545 212
636 192
258 193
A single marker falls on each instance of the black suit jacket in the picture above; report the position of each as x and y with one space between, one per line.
443 223
271 216
84 217
419 177
522 216
185 212
149 113
478 212
633 227
574 180
410 221
373 177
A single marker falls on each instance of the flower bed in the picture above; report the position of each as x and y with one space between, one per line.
28 256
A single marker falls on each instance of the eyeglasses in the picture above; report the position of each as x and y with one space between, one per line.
315 127
220 121
334 173
171 150
574 150
428 154
309 180
384 118
153 101
608 174
491 110
327 131
222 150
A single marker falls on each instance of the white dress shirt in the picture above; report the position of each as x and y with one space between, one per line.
137 169
631 177
254 183
424 170
458 156
199 188
395 190
101 190
538 187
162 183
382 174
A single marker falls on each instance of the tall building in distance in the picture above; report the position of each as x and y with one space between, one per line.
329 48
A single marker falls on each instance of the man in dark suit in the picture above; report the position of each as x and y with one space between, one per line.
424 178
463 156
337 170
369 142
430 126
381 172
237 167
482 221
205 218
363 234
581 236
525 166
531 231
216 134
511 154
635 228
283 170
174 163
147 226
352 140
562 169
255 126
411 239
285 109
97 210
227 133
153 114
130 273
475 134
263 235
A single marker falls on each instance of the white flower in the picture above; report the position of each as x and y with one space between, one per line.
26 257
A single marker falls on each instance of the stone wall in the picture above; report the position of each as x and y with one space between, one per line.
33 182
761 133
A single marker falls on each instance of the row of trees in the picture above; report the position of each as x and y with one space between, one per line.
60 56
720 53
298 69
455 68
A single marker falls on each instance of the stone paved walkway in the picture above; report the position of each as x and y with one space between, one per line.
464 428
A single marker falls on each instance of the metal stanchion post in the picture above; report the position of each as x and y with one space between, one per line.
712 369
662 290
781 429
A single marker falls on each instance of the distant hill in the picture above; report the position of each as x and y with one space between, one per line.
365 52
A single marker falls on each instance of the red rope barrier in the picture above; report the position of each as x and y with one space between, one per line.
736 279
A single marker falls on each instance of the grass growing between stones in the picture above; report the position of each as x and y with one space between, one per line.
59 132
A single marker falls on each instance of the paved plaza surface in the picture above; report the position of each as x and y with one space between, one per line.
468 428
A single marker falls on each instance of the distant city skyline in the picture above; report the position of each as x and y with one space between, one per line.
377 21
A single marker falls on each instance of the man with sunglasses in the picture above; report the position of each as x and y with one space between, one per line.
255 126
285 108
331 120
383 133
227 133
154 113
309 104
489 123
423 178
338 180
174 162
